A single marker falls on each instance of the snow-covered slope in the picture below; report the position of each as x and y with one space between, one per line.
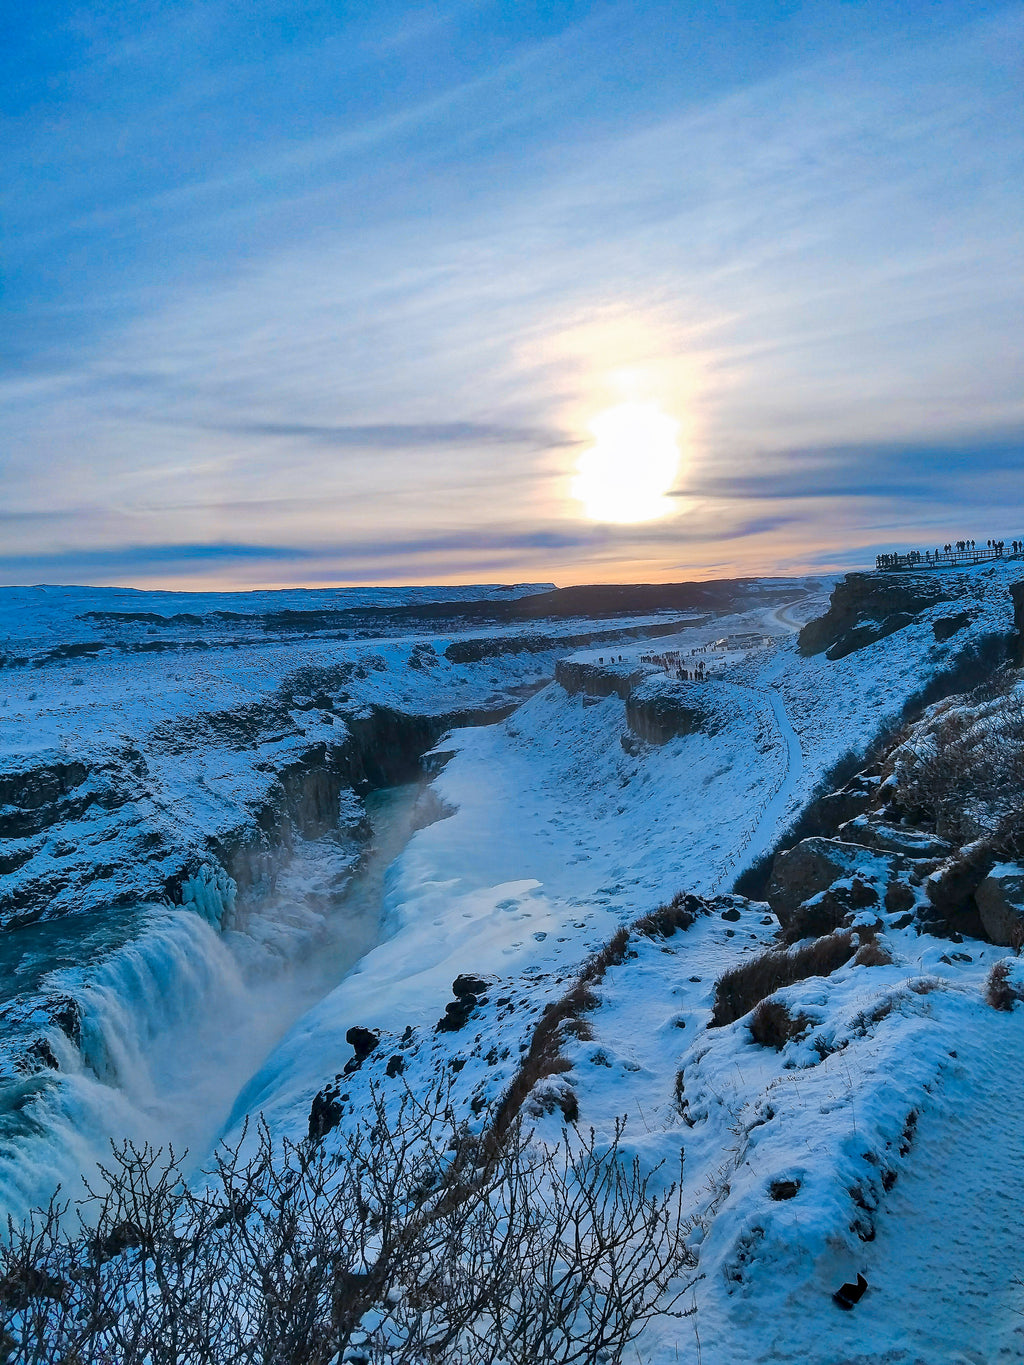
670 754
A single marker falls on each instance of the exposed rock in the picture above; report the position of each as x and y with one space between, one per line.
912 843
899 897
1000 901
819 915
598 680
1017 593
810 868
66 1013
468 984
866 607
362 1041
41 794
945 627
951 891
838 807
325 1113
41 1054
456 1014
661 709
523 642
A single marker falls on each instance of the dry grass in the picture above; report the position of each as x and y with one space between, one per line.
873 954
564 1018
1000 992
680 913
739 990
772 1025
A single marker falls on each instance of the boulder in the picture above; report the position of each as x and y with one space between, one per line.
911 843
362 1041
1000 901
951 890
804 871
899 898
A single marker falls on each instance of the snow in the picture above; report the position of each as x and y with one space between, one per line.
558 826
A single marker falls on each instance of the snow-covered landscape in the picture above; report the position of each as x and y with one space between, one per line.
223 855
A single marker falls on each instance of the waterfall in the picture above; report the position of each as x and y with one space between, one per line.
174 1013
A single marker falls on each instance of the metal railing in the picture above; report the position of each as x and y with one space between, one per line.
940 559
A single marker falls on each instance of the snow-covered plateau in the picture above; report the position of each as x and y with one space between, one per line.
242 835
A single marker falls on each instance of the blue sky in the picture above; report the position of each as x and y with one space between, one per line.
327 294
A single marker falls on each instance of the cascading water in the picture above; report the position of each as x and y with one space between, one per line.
171 1015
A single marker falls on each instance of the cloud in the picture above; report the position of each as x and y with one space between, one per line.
403 436
384 334
143 558
928 472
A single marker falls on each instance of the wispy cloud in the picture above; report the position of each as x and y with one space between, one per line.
382 334
403 436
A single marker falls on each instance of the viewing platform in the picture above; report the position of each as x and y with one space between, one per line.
943 559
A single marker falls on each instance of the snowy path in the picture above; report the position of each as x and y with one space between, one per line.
780 616
764 834
945 1268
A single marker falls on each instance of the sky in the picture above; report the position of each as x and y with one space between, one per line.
374 292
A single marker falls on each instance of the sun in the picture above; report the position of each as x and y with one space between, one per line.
626 473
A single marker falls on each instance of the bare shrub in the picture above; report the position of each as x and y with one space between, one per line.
740 989
1001 992
772 1025
680 912
873 954
962 769
417 1242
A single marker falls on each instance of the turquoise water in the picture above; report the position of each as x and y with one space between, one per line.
175 1015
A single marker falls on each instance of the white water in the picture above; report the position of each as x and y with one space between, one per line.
176 1019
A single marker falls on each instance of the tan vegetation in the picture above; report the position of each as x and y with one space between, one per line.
738 991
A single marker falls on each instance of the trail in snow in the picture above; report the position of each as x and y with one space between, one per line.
764 833
946 1268
781 616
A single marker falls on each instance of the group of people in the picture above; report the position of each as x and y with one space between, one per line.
994 549
672 662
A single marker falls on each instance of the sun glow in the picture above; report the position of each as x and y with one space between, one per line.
631 466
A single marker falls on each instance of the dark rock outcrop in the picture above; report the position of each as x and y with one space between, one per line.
945 627
363 1041
468 990
533 642
1017 594
866 607
324 1113
799 874
951 892
598 680
1000 901
912 843
661 708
